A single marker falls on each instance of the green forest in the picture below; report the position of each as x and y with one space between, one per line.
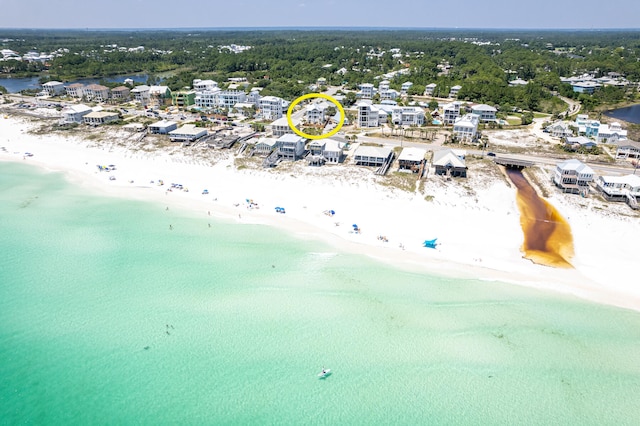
285 63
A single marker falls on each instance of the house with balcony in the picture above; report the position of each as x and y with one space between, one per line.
333 151
187 133
453 93
487 113
315 113
383 86
265 146
451 112
228 98
620 188
141 94
465 128
389 94
372 156
407 116
573 176
272 107
559 129
291 147
430 89
366 91
368 115
96 118
447 163
162 127
74 113
405 87
96 93
160 95
75 90
412 159
281 126
610 133
120 93
204 85
207 98
183 98
577 142
628 149
53 88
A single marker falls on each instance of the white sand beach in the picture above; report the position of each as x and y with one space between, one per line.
476 220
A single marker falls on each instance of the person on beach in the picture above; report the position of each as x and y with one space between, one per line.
171 227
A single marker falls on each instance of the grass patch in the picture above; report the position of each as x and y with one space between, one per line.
400 180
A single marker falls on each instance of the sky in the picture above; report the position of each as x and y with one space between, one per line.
536 14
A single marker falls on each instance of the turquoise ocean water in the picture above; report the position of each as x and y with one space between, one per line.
109 317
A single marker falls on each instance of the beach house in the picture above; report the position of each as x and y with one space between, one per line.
183 98
628 149
333 151
96 92
204 85
97 118
120 93
228 98
486 113
281 126
429 89
407 116
465 128
272 107
389 94
187 133
53 88
610 133
412 159
265 146
290 147
373 156
383 85
573 176
207 98
405 87
368 115
162 127
75 90
451 112
559 129
576 142
454 91
366 91
141 94
620 188
74 113
315 113
446 162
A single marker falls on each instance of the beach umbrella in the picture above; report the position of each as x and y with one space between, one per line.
354 225
332 212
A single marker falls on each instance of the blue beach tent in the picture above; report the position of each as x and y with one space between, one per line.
430 243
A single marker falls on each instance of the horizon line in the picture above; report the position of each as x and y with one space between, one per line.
315 27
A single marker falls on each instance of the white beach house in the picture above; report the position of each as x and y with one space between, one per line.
451 112
97 118
372 156
573 176
485 112
162 127
187 133
446 162
74 113
465 128
53 88
290 147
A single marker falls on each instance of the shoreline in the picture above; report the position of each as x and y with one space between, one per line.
480 239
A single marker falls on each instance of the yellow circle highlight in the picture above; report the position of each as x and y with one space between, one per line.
310 96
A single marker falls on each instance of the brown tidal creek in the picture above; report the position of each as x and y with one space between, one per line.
547 235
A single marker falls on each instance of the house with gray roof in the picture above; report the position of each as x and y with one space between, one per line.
446 162
573 176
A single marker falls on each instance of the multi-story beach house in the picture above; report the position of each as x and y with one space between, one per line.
465 128
368 115
486 113
446 162
162 127
97 118
451 112
430 89
272 107
412 159
575 142
405 87
228 98
160 95
204 85
628 149
383 86
183 98
74 113
281 126
620 188
187 133
315 114
75 90
141 94
454 91
610 133
573 176
366 90
389 94
265 146
120 93
407 116
207 98
290 147
96 92
53 88
559 129
372 156
333 151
